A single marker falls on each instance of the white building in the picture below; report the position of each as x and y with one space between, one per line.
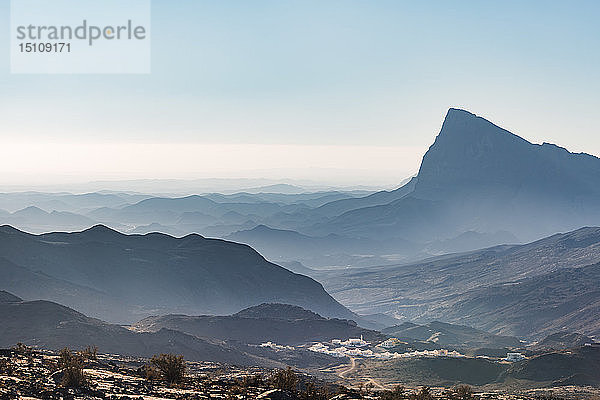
351 342
514 357
390 343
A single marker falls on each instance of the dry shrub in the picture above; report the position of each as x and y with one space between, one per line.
463 392
22 349
172 367
398 393
423 394
151 373
312 392
285 379
90 353
72 366
252 381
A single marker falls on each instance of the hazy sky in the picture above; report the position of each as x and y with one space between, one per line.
346 91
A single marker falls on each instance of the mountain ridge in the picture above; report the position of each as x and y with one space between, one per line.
156 272
477 176
278 323
488 288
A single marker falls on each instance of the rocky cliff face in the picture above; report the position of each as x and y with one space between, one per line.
478 177
493 179
472 156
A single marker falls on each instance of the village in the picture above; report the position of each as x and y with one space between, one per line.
359 348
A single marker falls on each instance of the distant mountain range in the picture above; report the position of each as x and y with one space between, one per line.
478 185
124 278
529 290
35 219
285 244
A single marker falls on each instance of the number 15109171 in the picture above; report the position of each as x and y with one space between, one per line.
45 47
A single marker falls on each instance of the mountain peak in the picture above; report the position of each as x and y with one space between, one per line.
463 124
457 118
475 163
459 113
32 211
472 151
278 311
100 230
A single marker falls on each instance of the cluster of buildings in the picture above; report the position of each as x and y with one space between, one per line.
352 342
343 351
514 357
275 346
390 343
357 348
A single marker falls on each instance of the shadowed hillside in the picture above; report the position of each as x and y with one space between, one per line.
52 326
149 274
279 323
524 290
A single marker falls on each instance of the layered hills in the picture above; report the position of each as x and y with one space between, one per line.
528 290
478 185
279 323
49 325
449 335
95 269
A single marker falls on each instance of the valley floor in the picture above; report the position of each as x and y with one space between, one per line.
386 375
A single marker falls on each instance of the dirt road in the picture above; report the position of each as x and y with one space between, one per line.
352 367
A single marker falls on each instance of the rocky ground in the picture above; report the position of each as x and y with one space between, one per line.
37 374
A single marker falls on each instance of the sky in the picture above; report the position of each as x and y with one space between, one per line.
341 92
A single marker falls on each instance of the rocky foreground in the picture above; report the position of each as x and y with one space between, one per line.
26 373
31 374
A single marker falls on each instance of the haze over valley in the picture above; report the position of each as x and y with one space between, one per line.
299 200
490 250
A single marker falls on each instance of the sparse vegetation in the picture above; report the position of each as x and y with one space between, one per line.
312 392
90 353
151 373
397 393
253 381
22 348
297 386
285 379
171 367
423 394
119 377
72 366
241 387
463 392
